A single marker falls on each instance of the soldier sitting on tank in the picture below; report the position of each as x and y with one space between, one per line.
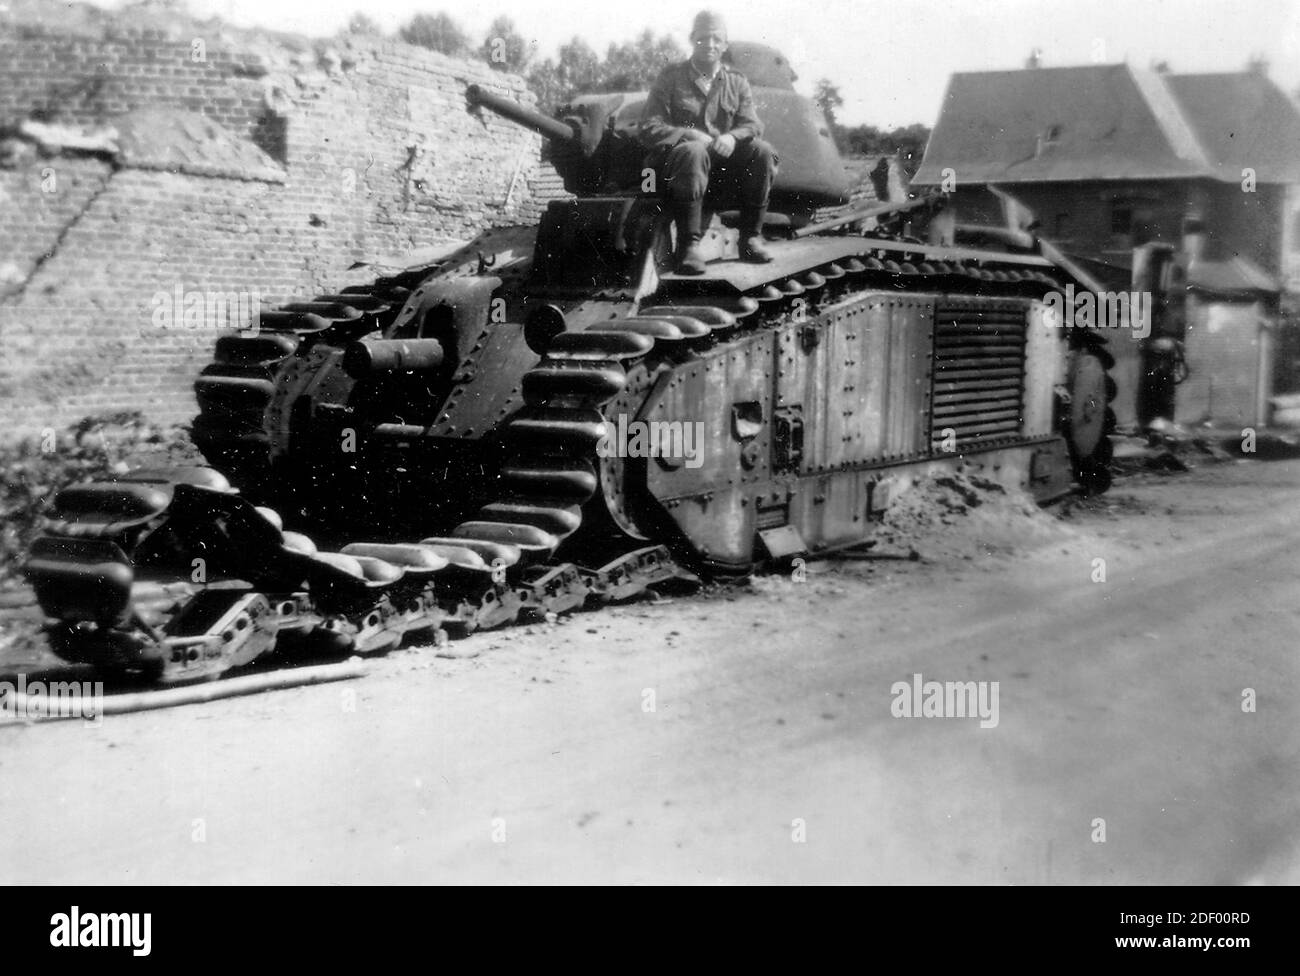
701 128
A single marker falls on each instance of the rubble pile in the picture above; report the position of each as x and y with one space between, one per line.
964 516
34 469
1166 447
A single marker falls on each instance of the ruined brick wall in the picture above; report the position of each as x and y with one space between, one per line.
370 151
77 77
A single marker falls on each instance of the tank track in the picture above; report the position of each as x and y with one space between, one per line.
117 566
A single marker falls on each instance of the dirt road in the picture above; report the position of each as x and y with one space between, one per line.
746 734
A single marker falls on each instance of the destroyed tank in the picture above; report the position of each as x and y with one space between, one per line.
549 417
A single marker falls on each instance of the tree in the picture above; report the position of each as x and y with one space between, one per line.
907 142
631 66
504 48
829 98
544 82
363 25
578 69
437 32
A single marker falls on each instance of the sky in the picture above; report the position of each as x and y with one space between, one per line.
890 58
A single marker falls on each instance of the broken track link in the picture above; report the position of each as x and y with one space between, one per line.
136 608
113 564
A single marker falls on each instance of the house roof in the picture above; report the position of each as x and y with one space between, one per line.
1237 274
1242 120
1111 122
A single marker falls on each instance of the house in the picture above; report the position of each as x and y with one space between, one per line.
1108 158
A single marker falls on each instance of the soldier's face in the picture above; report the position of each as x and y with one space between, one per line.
709 47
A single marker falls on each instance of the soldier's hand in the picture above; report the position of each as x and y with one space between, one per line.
724 145
699 135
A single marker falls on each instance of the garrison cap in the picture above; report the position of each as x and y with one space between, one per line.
707 21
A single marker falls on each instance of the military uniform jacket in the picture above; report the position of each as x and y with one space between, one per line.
679 101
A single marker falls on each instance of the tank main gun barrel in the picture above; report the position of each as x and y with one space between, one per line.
544 125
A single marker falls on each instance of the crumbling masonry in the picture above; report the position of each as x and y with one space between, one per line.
136 160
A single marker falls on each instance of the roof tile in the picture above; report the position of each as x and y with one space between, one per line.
1111 122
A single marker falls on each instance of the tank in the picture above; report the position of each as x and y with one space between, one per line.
550 418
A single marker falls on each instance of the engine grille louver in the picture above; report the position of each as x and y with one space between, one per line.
979 374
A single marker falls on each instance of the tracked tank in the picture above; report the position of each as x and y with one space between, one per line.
550 418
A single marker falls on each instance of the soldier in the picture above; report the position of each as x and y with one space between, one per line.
700 126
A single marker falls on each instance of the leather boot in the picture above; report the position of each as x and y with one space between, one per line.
689 216
752 248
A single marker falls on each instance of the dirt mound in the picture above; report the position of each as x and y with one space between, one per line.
956 515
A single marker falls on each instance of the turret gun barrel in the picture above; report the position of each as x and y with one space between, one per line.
544 125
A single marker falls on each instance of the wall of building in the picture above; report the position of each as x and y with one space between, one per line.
1291 240
1230 361
1249 224
377 153
1082 217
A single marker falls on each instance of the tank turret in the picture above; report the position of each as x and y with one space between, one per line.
593 139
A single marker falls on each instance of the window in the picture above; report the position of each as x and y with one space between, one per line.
1121 219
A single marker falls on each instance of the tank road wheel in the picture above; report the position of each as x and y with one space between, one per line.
1088 419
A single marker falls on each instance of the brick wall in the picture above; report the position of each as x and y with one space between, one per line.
376 155
50 74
